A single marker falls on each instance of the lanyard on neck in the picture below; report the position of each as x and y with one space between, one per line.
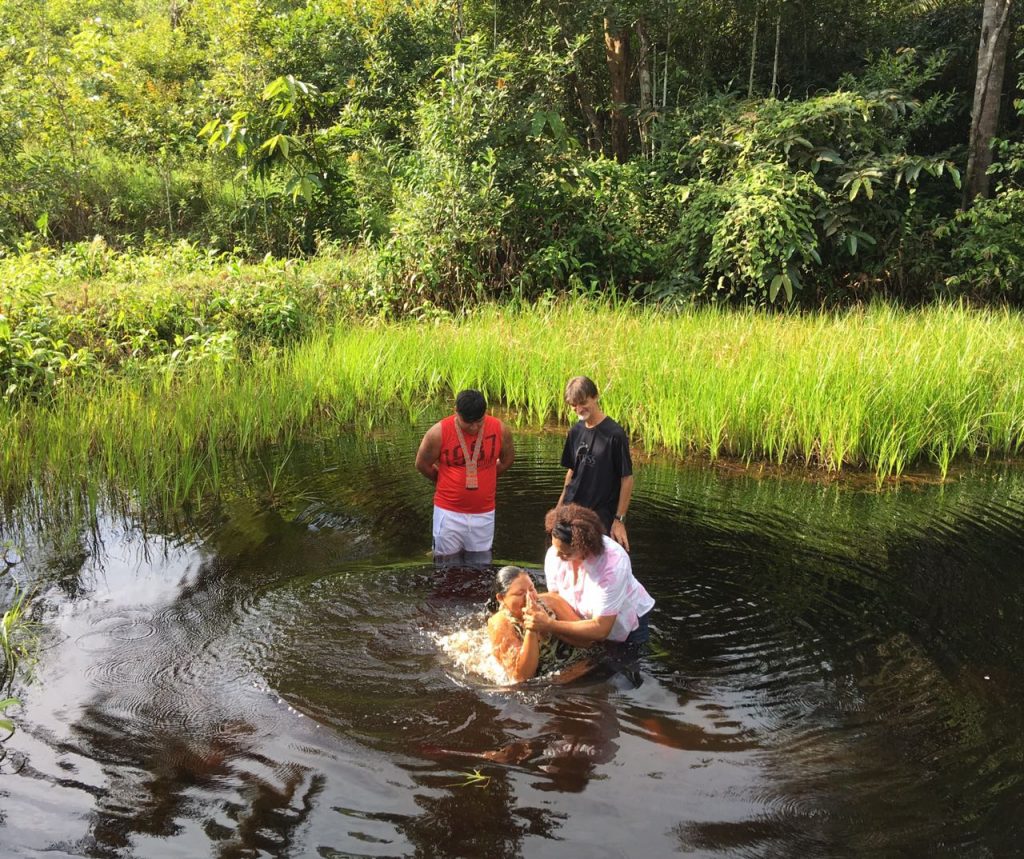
471 461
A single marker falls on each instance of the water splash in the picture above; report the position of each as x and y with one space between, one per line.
470 651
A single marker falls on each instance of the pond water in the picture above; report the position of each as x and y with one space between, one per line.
833 671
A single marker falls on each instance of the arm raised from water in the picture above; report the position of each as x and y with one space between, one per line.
518 656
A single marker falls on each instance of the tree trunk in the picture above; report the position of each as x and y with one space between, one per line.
775 61
804 18
459 25
988 90
595 129
616 50
664 76
646 89
753 55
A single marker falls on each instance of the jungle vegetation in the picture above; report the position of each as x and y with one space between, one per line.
753 152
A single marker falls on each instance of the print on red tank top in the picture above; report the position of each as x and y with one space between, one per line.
451 492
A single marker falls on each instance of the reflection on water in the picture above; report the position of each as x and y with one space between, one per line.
832 672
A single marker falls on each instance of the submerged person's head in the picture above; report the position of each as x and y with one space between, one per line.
512 585
576 532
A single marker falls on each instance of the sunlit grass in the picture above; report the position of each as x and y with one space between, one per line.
878 389
18 645
17 634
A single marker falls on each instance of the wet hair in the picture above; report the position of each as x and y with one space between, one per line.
504 578
578 389
578 526
470 405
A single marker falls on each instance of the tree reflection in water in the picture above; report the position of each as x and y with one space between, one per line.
158 779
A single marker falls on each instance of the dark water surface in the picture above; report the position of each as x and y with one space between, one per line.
834 672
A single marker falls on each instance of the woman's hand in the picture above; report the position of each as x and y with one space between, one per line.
535 618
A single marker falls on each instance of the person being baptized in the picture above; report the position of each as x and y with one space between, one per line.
522 650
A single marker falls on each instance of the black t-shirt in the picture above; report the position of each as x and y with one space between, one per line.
599 459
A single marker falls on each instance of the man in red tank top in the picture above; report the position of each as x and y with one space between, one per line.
463 456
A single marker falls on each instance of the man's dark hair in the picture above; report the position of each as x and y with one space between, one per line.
470 405
579 389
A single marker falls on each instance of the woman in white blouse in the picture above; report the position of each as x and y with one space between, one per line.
593 574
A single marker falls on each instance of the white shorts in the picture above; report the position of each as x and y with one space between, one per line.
462 532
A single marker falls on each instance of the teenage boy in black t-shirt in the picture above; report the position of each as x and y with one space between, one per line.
596 454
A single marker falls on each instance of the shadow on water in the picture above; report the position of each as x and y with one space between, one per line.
832 672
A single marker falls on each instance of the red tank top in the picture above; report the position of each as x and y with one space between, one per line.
451 492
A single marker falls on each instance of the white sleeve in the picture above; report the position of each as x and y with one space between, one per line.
612 584
551 570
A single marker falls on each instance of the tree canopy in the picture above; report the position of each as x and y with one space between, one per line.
764 151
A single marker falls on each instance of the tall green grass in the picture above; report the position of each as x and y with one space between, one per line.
879 389
18 644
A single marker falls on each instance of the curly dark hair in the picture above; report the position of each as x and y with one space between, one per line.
580 524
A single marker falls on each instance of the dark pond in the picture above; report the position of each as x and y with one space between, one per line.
834 672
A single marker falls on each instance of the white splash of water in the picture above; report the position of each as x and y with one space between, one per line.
470 650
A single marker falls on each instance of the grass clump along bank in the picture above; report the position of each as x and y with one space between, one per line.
18 642
878 388
75 316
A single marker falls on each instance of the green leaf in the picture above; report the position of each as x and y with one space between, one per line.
210 129
278 141
274 88
302 186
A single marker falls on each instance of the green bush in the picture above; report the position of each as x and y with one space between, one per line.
988 248
823 193
497 199
94 309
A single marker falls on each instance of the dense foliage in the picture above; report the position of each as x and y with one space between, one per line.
749 151
74 316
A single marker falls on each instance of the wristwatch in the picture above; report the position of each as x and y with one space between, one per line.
621 517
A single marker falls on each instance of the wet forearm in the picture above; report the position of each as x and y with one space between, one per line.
527 658
582 632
